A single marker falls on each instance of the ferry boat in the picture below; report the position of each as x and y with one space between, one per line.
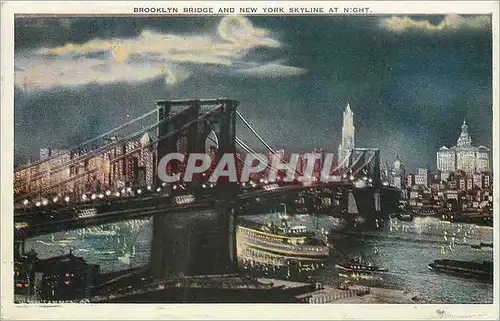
296 242
356 265
464 268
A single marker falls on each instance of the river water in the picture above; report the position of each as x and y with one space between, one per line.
404 248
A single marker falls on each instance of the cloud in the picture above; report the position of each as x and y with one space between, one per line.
153 44
239 30
272 70
148 56
450 22
45 74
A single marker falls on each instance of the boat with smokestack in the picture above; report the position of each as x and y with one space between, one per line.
294 242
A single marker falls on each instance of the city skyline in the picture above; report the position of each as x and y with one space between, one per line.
407 87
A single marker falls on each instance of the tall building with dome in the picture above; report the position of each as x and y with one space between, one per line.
464 156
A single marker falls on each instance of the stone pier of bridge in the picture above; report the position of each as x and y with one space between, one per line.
201 242
370 202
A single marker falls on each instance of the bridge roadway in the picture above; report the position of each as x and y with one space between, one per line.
31 222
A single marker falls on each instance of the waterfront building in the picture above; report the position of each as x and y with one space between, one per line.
482 159
410 180
422 177
463 156
132 149
487 180
318 164
147 159
469 183
446 160
347 143
462 184
51 171
112 169
65 277
478 180
398 172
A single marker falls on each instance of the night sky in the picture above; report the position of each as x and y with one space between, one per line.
410 81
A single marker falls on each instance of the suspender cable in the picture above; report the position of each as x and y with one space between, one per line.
109 132
355 162
237 155
203 116
254 132
346 159
251 151
102 149
262 140
248 149
366 163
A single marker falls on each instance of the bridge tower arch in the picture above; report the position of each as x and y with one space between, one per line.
200 241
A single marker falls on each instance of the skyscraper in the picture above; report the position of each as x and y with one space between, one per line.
347 144
398 174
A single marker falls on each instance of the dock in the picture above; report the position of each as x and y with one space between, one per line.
360 295
332 295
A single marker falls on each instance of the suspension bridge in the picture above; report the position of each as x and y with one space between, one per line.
113 177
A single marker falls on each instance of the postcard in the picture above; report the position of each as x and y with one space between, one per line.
289 160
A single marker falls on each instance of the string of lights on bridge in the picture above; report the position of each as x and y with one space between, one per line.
127 192
131 191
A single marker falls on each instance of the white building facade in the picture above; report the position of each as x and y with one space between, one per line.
463 156
347 144
422 177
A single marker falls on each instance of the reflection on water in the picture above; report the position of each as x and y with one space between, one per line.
259 263
113 246
404 248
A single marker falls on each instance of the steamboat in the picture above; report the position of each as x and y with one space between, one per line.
295 242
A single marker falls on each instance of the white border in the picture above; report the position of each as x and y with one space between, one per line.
219 311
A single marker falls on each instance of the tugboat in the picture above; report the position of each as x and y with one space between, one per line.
356 265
